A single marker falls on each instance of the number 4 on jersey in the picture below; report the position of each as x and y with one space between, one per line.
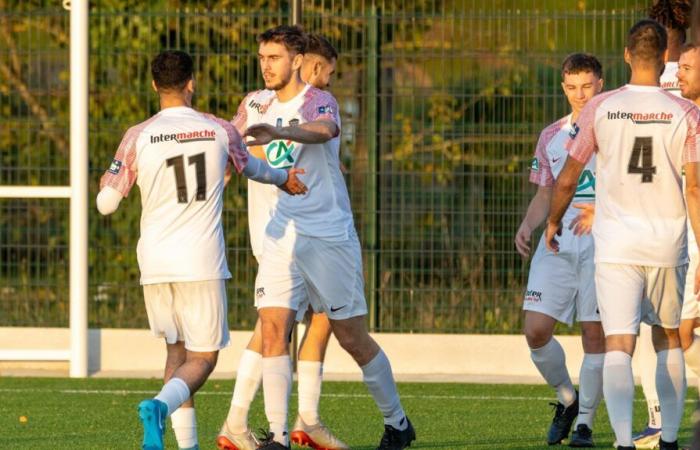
642 152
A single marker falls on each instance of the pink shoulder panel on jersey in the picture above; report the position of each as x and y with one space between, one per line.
319 105
122 173
583 143
236 152
240 120
541 174
691 152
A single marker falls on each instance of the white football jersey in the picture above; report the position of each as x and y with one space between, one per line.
324 212
178 158
669 81
550 156
642 135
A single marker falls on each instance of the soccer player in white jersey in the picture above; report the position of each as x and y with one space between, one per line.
178 158
644 138
318 66
310 250
561 285
674 15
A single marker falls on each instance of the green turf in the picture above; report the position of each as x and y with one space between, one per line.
78 414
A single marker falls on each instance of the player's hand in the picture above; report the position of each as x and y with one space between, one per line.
522 240
294 186
262 134
552 230
583 223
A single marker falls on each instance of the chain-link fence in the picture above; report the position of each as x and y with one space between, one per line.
441 103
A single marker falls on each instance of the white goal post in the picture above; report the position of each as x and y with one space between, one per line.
77 192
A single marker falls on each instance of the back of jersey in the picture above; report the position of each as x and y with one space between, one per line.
643 136
180 160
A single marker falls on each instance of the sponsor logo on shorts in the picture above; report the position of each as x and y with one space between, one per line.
533 296
334 309
641 118
260 292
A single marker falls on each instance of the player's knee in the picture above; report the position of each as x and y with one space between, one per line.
536 338
356 345
593 338
665 338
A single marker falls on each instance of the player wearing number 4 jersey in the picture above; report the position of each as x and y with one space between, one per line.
643 137
561 285
178 158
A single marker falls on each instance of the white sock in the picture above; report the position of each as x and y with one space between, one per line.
380 382
277 385
670 385
647 373
184 422
692 358
618 387
309 376
174 393
551 362
590 389
248 379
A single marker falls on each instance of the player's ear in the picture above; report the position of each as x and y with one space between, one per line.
153 85
190 85
628 56
563 87
318 65
297 61
601 83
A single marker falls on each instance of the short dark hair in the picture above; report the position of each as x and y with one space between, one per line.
293 38
318 45
647 40
172 69
581 62
687 47
673 14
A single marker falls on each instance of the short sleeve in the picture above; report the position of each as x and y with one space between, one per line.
240 120
582 143
691 152
122 173
320 105
540 170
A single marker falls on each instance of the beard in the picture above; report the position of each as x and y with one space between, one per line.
284 81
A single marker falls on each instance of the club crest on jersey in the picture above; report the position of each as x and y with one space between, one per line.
115 167
535 165
280 154
574 131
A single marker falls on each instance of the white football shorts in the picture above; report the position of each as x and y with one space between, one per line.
562 284
295 269
691 305
192 311
628 295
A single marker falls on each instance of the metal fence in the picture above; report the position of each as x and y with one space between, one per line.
441 102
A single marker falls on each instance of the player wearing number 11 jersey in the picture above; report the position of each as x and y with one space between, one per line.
178 158
642 137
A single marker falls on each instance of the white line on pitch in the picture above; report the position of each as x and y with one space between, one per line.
329 395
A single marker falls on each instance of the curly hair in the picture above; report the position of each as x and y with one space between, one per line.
673 14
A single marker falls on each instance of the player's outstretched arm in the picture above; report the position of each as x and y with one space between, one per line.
108 200
536 214
564 190
692 198
316 132
261 172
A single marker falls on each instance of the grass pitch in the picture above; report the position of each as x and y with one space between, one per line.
101 414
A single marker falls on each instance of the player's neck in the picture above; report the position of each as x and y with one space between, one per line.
174 101
644 78
291 89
